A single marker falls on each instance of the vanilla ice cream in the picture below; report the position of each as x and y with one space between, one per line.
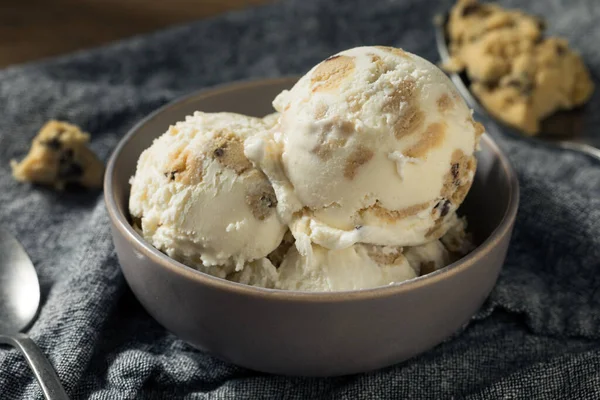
198 199
363 266
360 266
352 183
271 119
259 272
373 145
264 271
355 267
428 257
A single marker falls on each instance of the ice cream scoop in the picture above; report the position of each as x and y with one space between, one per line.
197 198
355 267
363 266
373 145
360 266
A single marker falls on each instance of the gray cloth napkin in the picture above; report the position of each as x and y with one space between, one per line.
538 336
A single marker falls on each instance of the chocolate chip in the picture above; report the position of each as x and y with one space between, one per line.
268 201
66 157
454 170
170 175
70 171
358 227
261 199
445 208
474 8
219 152
541 23
488 85
560 49
523 84
514 83
53 144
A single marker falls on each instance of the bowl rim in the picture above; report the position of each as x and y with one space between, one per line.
120 222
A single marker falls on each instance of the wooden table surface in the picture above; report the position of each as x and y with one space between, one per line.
34 29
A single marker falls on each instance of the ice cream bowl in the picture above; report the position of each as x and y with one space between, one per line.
302 333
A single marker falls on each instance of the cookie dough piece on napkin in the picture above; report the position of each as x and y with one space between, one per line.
58 156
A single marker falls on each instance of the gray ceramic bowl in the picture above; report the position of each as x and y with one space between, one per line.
296 333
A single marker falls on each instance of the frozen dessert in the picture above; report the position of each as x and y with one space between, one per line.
59 156
271 119
260 273
356 267
517 74
199 199
353 183
374 145
457 239
363 266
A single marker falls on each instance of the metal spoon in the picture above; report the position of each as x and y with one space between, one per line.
19 301
564 129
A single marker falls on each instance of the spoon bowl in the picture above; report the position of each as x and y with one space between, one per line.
19 302
19 286
565 128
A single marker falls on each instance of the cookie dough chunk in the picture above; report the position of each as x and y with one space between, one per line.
485 37
519 76
59 156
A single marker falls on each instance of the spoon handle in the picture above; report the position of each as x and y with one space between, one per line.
42 369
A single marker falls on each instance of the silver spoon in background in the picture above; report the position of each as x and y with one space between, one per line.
19 302
564 129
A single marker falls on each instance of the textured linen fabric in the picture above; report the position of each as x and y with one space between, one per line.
538 336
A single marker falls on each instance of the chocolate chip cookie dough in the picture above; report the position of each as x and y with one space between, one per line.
59 156
518 75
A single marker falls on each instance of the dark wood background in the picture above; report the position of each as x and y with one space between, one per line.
34 29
